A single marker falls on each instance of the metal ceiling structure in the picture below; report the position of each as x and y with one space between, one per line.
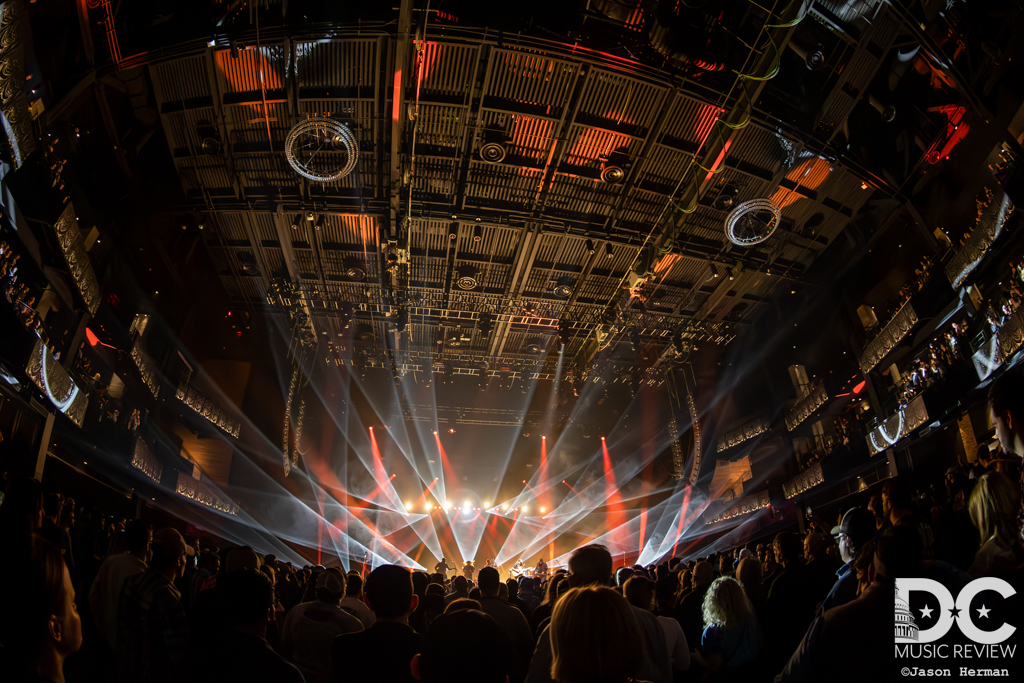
534 239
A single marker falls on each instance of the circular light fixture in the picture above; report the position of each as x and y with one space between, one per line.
408 506
563 287
492 152
815 60
313 147
752 222
612 174
354 269
466 278
533 345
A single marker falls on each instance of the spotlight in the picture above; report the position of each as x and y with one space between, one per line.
505 507
523 509
478 233
319 222
435 432
590 247
451 430
487 505
447 506
543 510
408 506
714 271
466 509
492 152
429 507
602 438
544 437
608 253
296 222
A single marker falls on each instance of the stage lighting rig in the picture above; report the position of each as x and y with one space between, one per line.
485 323
564 332
401 319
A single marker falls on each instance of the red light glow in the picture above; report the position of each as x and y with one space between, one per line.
860 387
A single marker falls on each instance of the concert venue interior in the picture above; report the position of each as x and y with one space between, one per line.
356 284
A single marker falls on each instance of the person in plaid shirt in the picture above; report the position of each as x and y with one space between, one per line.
152 629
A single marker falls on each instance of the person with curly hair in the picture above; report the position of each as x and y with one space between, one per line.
732 636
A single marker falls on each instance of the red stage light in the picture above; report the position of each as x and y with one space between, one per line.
93 339
451 431
860 387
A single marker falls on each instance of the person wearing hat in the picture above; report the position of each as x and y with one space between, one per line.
856 528
152 629
311 627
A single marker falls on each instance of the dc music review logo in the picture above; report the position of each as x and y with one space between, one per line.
916 643
950 611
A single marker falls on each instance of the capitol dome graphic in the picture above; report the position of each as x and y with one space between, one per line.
906 627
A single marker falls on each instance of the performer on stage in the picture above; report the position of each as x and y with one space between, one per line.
468 570
442 567
541 572
518 570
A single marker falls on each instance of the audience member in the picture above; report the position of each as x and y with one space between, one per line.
311 627
106 587
691 608
466 646
42 627
829 638
384 651
152 629
591 565
353 601
462 603
791 601
595 638
855 529
509 618
994 507
898 509
241 652
640 592
732 637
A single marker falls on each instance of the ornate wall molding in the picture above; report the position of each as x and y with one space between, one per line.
741 506
745 432
80 267
898 426
891 335
54 381
147 368
204 494
17 121
807 479
1003 344
987 228
806 406
195 399
144 461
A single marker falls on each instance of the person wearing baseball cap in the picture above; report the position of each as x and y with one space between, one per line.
856 528
152 629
